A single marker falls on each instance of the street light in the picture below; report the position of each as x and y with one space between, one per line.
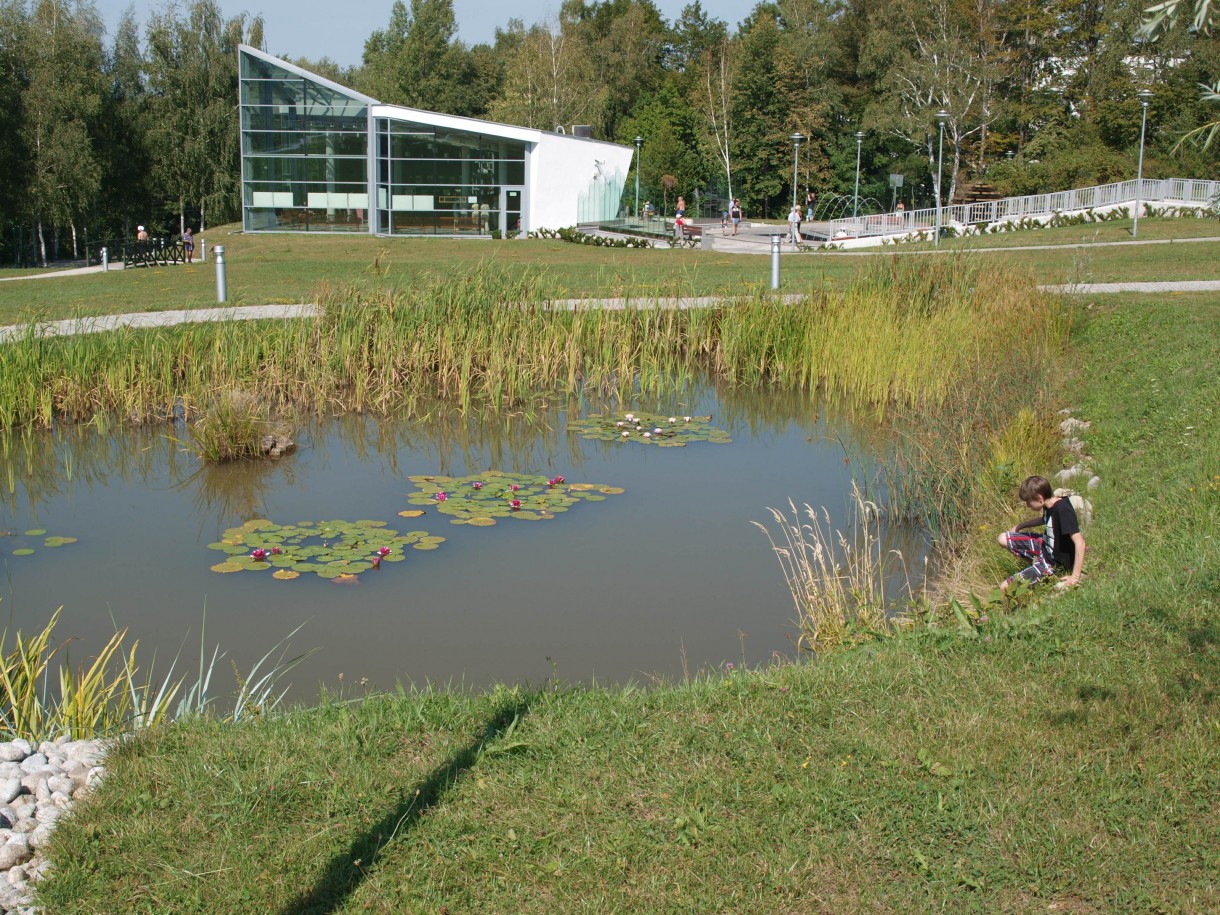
639 141
1145 95
941 116
856 200
796 139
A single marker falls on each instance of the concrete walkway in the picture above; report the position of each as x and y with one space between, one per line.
1100 288
71 271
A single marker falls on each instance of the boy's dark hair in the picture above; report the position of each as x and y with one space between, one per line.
1035 486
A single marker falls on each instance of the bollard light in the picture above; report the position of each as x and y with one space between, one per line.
776 242
105 260
1145 95
203 250
222 292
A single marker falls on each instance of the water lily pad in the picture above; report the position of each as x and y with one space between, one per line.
324 548
225 567
426 546
648 429
410 513
283 574
24 551
480 499
35 532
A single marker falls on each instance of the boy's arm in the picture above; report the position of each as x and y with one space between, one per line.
1032 522
1078 565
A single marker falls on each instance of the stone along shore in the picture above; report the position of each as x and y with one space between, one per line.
37 787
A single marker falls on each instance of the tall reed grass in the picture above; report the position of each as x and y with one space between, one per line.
838 578
903 334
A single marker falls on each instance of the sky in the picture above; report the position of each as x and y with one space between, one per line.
317 29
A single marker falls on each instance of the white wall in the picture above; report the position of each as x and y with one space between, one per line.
561 169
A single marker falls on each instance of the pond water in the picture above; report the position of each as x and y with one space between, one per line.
666 577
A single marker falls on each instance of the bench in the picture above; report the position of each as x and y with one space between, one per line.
688 235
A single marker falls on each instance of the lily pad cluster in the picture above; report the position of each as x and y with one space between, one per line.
481 499
649 429
22 543
335 550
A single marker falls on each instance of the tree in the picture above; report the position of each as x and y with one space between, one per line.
14 77
1163 16
59 103
548 80
194 133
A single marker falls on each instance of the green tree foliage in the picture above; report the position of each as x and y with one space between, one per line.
193 128
14 76
60 103
549 79
416 61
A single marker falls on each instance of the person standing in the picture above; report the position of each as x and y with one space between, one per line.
794 224
679 215
141 233
188 244
810 199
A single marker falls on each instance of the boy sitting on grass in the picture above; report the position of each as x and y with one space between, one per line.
1061 547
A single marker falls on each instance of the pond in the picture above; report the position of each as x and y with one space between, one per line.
667 577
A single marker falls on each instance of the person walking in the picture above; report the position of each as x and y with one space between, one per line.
188 244
794 224
810 199
735 214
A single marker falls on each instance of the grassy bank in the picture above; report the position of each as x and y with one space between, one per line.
1067 765
265 269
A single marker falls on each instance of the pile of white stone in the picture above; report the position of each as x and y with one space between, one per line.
37 786
1071 428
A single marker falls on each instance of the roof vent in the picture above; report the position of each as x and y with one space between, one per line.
582 130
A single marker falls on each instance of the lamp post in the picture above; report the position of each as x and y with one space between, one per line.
941 117
796 139
639 141
1145 95
855 207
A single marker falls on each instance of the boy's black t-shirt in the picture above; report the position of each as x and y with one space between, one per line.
1061 523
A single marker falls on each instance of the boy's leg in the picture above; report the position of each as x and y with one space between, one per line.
1026 546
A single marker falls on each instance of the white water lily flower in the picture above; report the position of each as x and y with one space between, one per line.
619 423
625 432
672 420
647 435
630 417
686 419
657 429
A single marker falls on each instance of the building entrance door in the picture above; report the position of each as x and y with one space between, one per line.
511 200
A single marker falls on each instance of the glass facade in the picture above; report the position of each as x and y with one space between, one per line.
304 152
432 181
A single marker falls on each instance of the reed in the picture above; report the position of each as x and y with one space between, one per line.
837 578
901 336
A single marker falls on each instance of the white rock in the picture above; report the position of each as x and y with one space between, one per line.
1066 411
1070 425
31 782
95 776
41 837
15 851
25 826
8 816
10 770
34 763
47 747
61 783
59 799
1068 473
17 876
10 788
48 814
89 752
42 793
1093 483
1074 445
13 752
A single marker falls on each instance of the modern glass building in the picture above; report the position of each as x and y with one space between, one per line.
318 157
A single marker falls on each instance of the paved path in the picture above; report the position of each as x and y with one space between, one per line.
279 312
72 271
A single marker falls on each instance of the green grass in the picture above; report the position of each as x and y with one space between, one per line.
265 269
1073 767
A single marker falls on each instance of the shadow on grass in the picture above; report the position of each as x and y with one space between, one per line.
349 869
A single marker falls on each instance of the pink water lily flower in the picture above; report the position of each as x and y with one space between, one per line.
552 482
259 555
441 496
477 485
516 504
275 551
376 562
513 487
384 551
560 480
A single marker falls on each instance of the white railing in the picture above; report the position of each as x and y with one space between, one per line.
1157 191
